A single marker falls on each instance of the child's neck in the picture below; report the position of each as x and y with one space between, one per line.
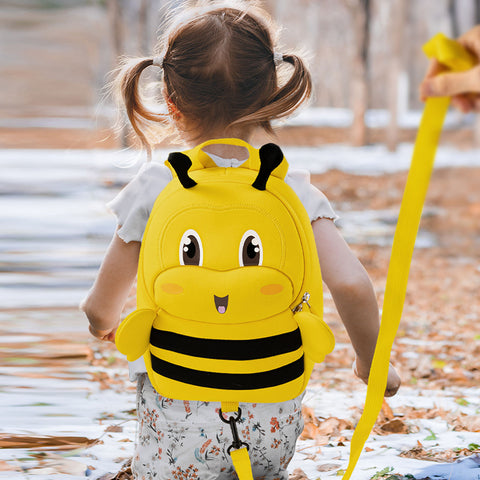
227 151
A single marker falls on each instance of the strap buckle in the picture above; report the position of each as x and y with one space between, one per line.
232 421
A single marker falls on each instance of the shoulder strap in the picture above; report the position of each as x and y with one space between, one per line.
451 54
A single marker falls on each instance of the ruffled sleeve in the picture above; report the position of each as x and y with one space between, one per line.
132 206
315 202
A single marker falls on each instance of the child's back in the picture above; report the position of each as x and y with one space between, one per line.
221 78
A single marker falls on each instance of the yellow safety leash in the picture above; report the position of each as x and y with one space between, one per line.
451 54
241 462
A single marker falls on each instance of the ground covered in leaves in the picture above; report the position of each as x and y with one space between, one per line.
437 351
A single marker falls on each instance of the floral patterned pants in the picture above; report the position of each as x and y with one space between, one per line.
186 440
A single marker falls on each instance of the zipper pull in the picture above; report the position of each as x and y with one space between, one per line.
305 299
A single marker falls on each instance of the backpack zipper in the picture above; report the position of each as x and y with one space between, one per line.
305 299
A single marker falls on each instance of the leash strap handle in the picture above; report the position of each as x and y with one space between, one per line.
241 462
451 54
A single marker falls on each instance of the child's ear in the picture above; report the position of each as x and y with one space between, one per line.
173 111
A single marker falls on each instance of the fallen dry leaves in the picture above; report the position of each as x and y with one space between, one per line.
323 431
53 464
392 426
125 473
8 467
41 442
298 474
441 456
470 423
329 430
328 467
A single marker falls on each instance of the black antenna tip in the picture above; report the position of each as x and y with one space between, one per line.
181 163
271 157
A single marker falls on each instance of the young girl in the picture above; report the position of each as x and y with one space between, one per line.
221 79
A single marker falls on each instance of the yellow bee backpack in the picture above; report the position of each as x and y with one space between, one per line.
229 289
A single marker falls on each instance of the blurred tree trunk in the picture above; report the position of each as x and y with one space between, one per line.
477 12
116 28
143 30
398 19
360 12
453 14
117 35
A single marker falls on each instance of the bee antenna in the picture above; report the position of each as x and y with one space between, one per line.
181 163
271 157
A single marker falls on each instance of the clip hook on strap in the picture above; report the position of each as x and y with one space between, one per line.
232 421
238 450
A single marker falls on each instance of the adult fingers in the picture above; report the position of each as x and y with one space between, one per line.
434 68
449 84
463 103
471 40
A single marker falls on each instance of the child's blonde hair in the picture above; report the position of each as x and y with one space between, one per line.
219 71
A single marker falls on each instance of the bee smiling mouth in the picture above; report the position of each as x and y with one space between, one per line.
221 303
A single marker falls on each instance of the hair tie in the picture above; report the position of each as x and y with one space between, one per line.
158 61
277 58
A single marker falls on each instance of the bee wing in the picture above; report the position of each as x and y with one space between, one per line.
317 338
133 335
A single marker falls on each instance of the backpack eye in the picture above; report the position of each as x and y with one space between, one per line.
251 251
191 251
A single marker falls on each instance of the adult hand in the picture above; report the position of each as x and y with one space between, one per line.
463 87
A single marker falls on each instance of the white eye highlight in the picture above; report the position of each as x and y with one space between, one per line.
191 250
250 252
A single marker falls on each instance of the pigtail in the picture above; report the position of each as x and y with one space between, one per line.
127 90
296 90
